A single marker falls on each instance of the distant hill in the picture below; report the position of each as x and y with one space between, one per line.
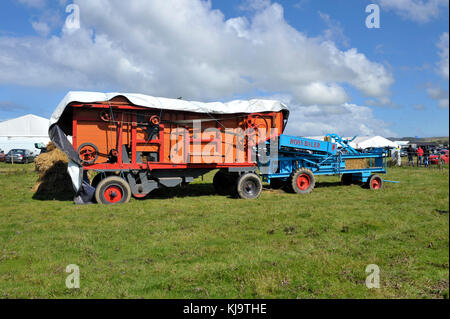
438 139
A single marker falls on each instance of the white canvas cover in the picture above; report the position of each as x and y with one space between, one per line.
236 106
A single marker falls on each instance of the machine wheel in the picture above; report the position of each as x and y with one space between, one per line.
112 190
249 186
98 178
346 179
303 181
224 183
375 182
88 153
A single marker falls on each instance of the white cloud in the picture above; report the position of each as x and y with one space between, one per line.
335 31
41 28
345 120
443 53
184 48
321 93
416 10
440 95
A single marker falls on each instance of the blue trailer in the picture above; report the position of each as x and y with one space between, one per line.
300 159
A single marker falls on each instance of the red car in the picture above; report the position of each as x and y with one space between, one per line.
434 159
2 156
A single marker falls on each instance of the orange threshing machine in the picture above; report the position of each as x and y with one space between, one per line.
139 143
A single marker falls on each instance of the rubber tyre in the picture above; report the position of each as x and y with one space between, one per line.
375 182
249 186
302 181
224 183
346 179
112 190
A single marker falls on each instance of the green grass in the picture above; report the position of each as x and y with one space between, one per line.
189 243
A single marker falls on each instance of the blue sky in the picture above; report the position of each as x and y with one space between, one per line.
398 87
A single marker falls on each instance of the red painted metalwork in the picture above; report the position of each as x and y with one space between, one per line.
115 124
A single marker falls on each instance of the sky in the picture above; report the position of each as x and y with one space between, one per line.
319 57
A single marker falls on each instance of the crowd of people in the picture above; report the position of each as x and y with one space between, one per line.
422 155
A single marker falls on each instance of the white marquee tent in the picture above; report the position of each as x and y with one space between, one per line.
24 132
363 142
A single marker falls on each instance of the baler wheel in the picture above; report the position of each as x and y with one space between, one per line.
112 190
375 182
249 186
302 181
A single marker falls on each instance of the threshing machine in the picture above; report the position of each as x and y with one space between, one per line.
138 143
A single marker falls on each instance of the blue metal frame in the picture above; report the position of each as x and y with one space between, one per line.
321 157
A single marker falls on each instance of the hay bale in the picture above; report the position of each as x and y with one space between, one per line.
53 179
356 163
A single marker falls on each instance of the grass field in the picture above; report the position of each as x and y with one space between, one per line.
189 243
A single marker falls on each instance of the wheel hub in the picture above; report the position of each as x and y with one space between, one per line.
376 183
303 182
113 194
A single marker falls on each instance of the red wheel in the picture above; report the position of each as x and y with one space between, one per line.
113 194
303 182
112 190
87 153
375 182
154 119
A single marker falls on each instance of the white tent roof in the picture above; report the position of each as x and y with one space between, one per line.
25 126
363 142
237 106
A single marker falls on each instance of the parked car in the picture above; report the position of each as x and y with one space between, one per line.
434 159
2 156
404 152
19 156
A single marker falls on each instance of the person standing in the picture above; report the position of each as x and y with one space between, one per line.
419 156
441 161
410 156
399 156
426 156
